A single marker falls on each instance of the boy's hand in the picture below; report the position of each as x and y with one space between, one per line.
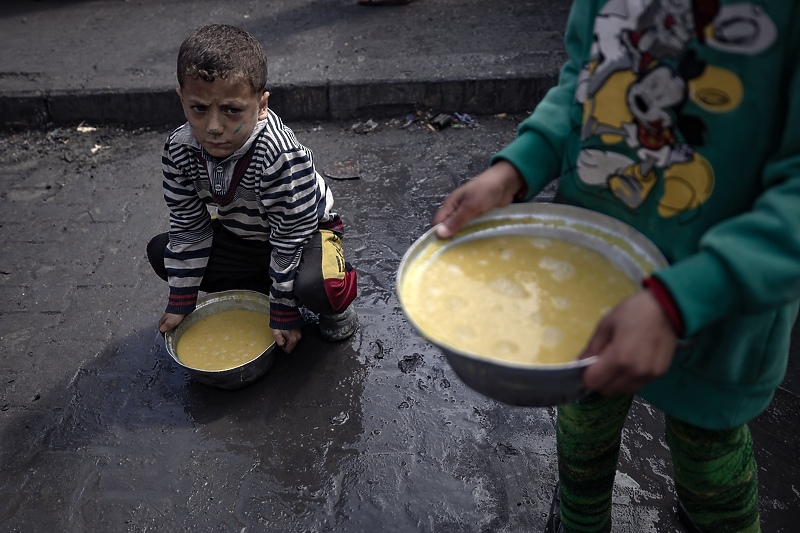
169 321
494 187
634 344
287 339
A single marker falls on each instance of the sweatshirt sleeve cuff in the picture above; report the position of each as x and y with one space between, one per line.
667 303
181 301
534 158
703 290
284 317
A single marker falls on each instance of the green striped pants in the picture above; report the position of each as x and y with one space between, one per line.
714 471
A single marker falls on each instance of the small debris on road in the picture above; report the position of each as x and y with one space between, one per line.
83 128
342 170
364 127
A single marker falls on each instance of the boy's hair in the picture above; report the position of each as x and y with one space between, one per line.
224 51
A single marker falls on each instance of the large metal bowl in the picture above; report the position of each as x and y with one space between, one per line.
533 385
217 302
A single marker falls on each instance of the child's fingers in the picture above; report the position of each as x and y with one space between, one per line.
452 215
617 369
280 340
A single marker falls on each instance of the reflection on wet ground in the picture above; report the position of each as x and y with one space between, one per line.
101 431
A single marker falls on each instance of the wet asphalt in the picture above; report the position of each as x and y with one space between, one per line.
101 431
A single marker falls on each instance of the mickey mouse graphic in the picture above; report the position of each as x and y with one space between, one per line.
629 35
635 89
654 101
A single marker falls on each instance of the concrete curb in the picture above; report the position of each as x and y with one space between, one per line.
323 101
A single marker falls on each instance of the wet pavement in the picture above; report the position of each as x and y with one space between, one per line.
101 431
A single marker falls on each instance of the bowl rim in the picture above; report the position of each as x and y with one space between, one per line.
204 301
538 210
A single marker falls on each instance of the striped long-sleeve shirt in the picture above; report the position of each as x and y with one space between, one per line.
267 191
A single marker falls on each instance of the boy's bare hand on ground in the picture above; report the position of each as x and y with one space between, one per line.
169 321
287 339
494 187
634 344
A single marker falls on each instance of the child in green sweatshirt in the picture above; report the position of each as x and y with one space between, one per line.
682 119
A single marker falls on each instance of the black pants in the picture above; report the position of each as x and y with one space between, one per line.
239 264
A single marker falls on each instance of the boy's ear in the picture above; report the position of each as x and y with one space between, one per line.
180 94
263 105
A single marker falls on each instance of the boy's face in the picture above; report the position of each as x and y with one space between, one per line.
222 113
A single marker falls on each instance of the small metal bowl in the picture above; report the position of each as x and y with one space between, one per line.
213 303
523 384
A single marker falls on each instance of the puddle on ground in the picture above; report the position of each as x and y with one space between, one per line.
344 437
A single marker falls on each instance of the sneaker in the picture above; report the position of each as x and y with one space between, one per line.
338 326
554 518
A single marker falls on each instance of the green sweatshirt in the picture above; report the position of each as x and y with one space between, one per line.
682 119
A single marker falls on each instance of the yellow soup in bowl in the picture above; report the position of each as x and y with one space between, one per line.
225 340
516 298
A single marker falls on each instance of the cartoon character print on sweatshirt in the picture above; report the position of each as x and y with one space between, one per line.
643 70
